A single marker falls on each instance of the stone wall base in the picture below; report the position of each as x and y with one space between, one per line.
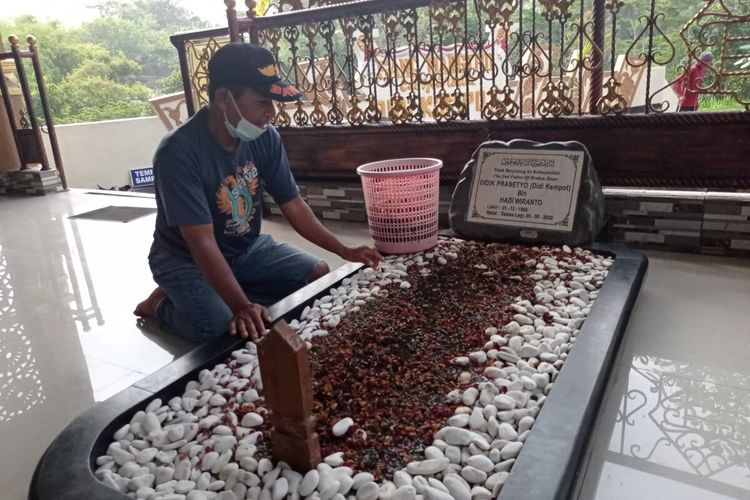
698 221
694 221
30 182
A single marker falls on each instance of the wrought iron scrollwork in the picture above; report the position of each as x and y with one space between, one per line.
650 56
451 60
199 52
722 27
697 416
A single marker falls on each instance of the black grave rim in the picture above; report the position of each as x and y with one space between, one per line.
553 456
66 469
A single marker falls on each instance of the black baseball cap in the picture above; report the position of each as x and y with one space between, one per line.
249 65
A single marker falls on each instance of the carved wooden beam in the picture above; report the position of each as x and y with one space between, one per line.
697 150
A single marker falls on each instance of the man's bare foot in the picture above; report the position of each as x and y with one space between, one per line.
147 308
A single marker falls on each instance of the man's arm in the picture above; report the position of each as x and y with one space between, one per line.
248 317
303 220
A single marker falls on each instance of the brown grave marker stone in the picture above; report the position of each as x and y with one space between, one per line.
287 386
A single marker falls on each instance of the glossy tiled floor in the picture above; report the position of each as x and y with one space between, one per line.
674 424
67 334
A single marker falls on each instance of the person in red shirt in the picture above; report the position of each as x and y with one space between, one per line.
688 86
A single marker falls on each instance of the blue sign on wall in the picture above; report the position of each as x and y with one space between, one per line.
142 176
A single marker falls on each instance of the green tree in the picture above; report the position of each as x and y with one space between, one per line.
110 67
163 13
140 31
172 82
60 49
86 96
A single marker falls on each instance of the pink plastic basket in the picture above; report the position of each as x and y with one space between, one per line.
401 198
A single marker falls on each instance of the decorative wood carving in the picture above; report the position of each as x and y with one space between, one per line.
707 150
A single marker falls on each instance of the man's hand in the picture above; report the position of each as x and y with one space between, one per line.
364 254
248 321
304 221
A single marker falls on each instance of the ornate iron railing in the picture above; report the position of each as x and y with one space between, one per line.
405 61
25 128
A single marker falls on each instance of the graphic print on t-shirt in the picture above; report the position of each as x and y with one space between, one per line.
235 198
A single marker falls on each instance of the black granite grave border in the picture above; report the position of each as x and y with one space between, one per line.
553 455
547 465
66 470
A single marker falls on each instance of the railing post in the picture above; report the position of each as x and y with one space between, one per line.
22 80
597 57
9 111
250 14
45 109
234 31
179 44
650 57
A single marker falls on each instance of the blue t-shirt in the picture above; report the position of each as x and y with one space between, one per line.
199 182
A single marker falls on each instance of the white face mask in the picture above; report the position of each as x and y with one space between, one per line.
244 130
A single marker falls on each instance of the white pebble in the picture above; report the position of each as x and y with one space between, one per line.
335 459
309 483
251 419
427 467
511 450
368 491
342 426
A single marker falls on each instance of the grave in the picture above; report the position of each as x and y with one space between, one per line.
466 370
567 412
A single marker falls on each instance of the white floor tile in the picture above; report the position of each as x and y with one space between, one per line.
676 417
68 339
102 373
118 385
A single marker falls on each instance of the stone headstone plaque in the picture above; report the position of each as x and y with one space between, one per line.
530 192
